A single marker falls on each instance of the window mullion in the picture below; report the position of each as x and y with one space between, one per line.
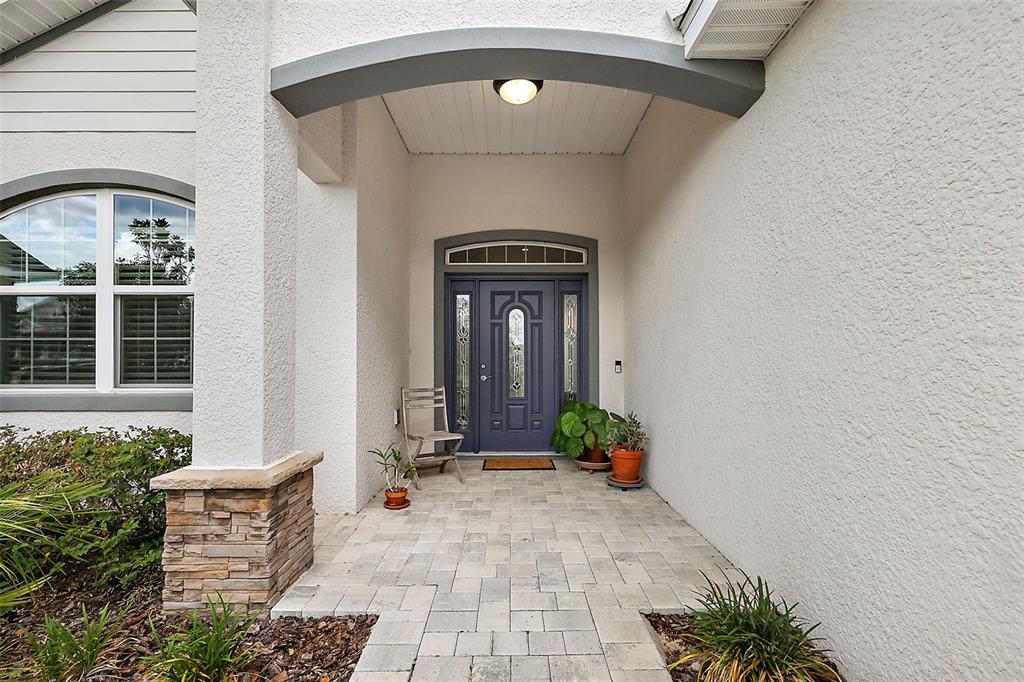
105 336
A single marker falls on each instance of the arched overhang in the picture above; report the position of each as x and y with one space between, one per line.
314 83
17 192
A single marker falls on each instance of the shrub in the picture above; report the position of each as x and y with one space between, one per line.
742 633
30 513
208 651
62 657
123 533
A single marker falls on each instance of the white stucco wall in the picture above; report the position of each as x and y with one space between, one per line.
576 194
325 336
829 302
307 27
382 330
57 421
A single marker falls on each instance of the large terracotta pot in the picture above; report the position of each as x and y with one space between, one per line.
626 465
594 455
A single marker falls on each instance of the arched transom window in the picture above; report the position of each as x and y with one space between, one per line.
516 253
96 289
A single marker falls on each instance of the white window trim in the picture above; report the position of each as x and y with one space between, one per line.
106 293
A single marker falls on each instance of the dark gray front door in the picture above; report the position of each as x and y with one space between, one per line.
506 358
518 389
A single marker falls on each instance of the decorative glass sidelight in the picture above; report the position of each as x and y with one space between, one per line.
570 305
462 361
516 353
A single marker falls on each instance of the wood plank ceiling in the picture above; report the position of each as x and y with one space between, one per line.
470 118
22 20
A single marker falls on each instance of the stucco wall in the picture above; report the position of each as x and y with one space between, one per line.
307 27
573 194
382 331
56 421
325 334
830 295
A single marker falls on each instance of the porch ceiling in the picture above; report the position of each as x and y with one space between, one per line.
469 118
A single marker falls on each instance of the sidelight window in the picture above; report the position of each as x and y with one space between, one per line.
462 361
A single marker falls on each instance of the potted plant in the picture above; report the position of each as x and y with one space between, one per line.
625 441
581 431
397 475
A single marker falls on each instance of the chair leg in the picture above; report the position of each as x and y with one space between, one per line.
453 451
416 477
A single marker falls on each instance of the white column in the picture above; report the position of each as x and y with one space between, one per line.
245 199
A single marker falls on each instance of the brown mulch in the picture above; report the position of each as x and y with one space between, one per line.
669 629
288 649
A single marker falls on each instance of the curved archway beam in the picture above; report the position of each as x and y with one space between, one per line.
17 192
325 80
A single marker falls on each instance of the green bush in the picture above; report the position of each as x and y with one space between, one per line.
123 533
62 657
740 632
209 651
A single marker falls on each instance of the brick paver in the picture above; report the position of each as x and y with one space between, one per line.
526 575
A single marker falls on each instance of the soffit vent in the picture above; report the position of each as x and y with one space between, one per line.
736 29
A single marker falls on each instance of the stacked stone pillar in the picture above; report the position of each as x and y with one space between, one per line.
245 534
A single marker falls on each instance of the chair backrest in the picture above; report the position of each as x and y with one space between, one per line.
430 398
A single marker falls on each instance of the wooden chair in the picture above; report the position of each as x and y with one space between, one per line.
430 399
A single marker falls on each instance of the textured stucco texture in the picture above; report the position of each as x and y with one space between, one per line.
828 304
307 27
571 194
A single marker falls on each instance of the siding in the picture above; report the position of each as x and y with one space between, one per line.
130 70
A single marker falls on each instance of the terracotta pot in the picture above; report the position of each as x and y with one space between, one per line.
626 465
594 455
396 500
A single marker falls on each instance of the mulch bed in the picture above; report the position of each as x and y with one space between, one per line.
669 629
288 649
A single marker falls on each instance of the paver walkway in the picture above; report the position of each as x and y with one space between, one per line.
526 575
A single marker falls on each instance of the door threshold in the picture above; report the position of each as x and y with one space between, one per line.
498 453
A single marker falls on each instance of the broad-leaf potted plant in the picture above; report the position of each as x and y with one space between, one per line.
581 431
626 440
397 475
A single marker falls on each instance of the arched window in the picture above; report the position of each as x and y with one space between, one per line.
516 253
96 289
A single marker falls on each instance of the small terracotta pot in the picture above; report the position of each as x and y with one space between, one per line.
594 455
396 500
626 465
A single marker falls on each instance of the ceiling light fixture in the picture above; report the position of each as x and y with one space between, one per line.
518 90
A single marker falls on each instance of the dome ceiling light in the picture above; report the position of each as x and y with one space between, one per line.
518 90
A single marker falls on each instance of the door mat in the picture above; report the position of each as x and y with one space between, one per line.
518 464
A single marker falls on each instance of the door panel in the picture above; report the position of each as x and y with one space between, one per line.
517 358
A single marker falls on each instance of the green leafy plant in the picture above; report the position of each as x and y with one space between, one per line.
741 632
60 656
580 426
209 650
397 474
625 434
32 512
122 534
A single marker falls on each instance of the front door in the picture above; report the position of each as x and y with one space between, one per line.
507 358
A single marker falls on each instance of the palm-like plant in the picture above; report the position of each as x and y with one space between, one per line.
30 511
740 633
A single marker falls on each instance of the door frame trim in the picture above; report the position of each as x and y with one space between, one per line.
441 271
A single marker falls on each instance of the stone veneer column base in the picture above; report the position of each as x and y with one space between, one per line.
246 534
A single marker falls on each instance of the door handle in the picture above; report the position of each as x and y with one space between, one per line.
484 377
